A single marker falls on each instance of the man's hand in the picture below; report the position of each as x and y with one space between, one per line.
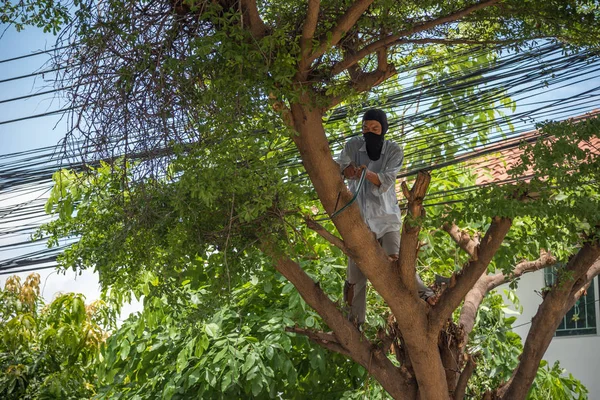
352 172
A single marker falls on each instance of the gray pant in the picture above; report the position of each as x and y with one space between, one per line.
355 289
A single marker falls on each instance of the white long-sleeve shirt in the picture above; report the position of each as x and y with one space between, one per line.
378 205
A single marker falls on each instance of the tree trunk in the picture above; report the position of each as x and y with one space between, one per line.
411 312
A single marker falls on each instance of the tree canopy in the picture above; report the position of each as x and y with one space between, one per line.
215 122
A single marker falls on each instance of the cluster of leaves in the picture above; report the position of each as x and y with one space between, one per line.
555 199
49 352
185 344
51 16
201 221
497 349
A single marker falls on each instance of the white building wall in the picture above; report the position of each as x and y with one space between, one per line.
579 355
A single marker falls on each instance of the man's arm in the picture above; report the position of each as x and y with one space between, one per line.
385 179
373 178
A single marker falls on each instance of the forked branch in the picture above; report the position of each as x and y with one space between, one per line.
420 27
556 303
364 81
487 283
343 25
471 272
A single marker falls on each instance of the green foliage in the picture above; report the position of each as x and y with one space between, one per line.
200 222
48 352
551 383
190 348
49 15
189 76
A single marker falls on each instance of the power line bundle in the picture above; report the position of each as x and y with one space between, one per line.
525 77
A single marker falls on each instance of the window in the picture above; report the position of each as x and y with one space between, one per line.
582 318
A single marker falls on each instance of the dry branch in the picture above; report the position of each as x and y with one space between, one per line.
325 234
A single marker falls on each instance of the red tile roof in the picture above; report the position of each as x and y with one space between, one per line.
497 165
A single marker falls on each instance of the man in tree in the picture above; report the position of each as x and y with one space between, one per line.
381 159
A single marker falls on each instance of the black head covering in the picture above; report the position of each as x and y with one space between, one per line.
375 114
375 142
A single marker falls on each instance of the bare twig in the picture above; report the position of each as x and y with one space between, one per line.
325 234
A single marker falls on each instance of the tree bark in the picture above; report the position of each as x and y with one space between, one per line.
350 339
411 312
468 276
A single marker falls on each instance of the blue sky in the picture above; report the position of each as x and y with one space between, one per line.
32 134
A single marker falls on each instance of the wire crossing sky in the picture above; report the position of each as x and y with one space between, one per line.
545 83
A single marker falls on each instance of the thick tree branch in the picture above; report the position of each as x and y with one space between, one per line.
362 82
463 239
593 271
450 42
461 386
325 340
343 25
345 333
255 23
308 32
409 241
325 234
420 27
556 303
471 272
487 283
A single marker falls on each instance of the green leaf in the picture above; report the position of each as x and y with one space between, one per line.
212 330
250 360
